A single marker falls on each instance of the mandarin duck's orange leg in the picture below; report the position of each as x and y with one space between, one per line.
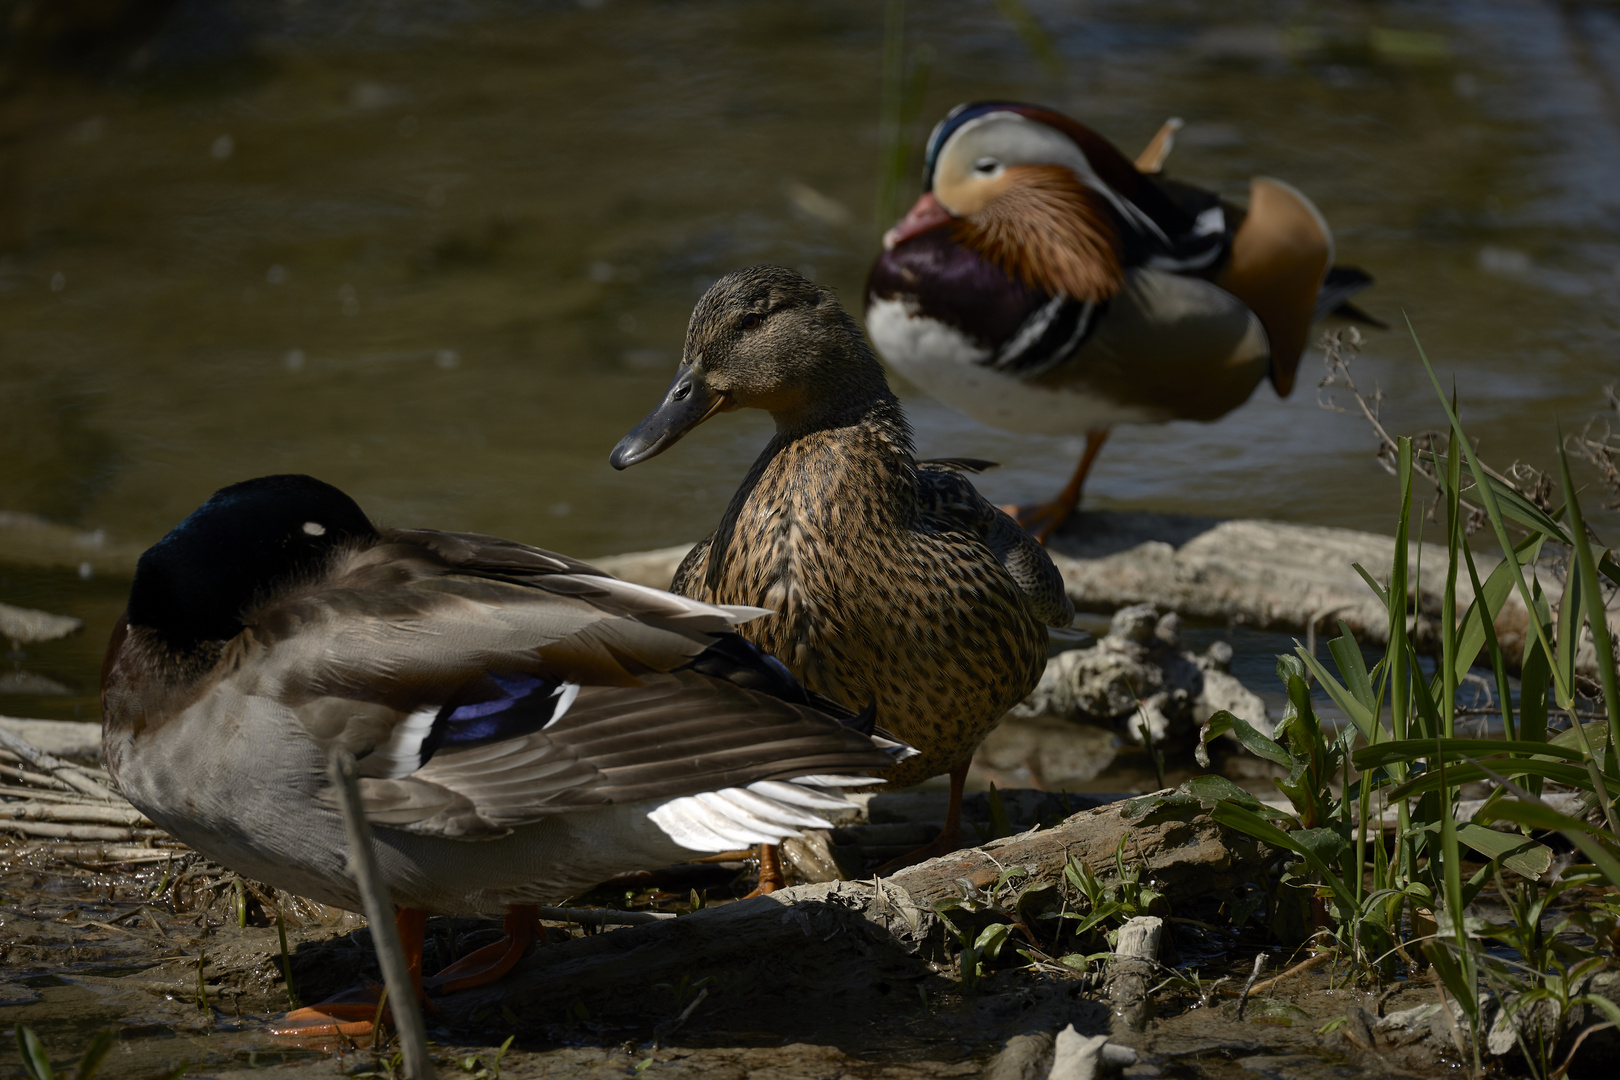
949 838
354 1011
770 872
482 966
1044 519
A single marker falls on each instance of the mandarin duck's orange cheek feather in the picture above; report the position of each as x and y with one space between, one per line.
1049 232
1072 291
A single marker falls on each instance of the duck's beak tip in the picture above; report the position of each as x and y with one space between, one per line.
926 213
686 404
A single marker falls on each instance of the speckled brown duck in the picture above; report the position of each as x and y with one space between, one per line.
891 581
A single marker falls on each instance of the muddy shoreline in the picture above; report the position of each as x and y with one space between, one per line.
836 979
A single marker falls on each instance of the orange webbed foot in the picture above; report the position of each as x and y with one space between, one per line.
485 965
352 1013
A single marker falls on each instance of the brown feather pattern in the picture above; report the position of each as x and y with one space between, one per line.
883 585
1050 232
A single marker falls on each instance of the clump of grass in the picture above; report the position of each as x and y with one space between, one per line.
1402 752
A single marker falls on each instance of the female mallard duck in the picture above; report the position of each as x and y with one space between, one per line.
525 725
1045 283
892 581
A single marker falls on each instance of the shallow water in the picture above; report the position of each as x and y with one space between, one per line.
444 259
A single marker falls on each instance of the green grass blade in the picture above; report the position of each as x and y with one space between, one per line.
1399 673
1534 674
1524 857
1493 649
1493 509
1597 618
1477 631
1515 507
1571 613
1359 714
1353 666
1448 596
35 1060
1033 34
1212 788
1590 839
1246 733
1235 817
1398 871
1379 591
1573 775
1408 750
1451 869
95 1052
1423 701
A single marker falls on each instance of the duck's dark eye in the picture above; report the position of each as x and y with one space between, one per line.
750 320
681 391
986 165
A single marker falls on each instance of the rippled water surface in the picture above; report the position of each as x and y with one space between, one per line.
443 255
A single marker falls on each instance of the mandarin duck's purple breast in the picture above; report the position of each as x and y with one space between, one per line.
940 279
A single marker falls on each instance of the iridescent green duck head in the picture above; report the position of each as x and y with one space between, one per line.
762 338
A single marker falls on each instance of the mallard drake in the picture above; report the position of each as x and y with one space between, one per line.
892 581
525 725
1045 283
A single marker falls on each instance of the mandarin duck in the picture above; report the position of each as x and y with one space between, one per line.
525 725
1043 282
892 582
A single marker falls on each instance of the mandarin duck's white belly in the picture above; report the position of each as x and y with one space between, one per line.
1161 335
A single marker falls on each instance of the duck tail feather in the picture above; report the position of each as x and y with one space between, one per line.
1340 284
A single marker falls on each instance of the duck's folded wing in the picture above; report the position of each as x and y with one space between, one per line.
951 498
396 625
477 696
680 734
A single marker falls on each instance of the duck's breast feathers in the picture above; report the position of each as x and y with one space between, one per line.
933 288
941 279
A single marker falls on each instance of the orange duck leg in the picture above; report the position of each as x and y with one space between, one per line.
1044 519
949 838
354 1012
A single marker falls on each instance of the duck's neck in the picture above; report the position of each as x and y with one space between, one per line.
852 464
849 390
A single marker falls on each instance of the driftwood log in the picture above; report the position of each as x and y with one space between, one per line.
813 939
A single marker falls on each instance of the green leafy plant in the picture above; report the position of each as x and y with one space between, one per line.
478 1069
1401 756
980 922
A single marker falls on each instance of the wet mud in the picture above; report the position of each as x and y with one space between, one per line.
186 964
